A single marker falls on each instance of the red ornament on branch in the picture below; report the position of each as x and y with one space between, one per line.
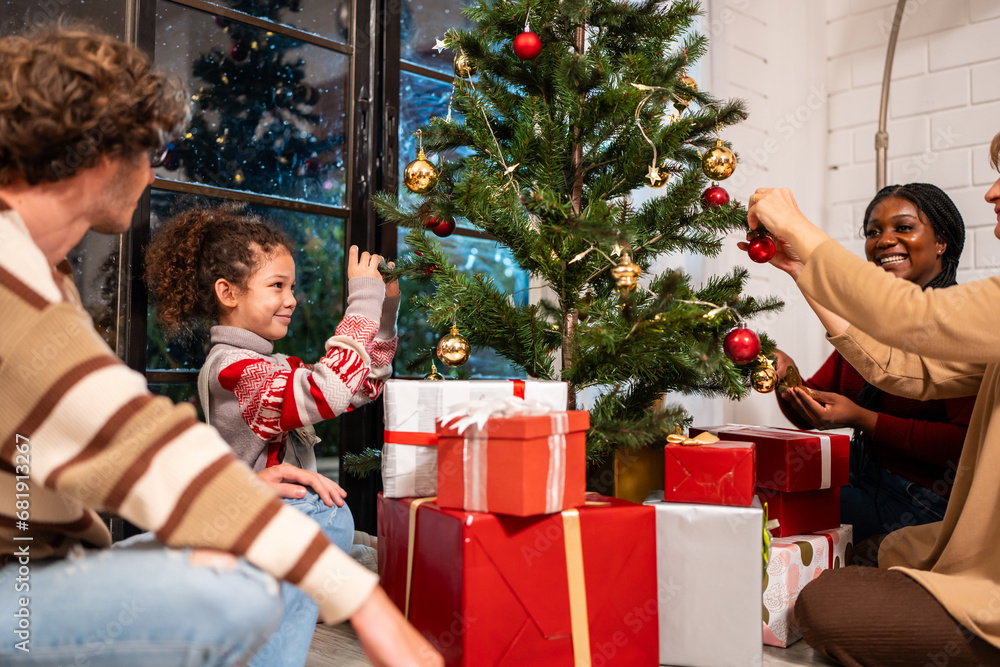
714 197
741 345
527 45
442 226
239 52
762 249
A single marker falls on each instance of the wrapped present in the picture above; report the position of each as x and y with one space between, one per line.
698 470
790 460
709 565
409 455
794 562
800 512
575 588
512 457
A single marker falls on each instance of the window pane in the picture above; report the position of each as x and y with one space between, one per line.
473 256
269 113
95 272
420 99
17 15
326 18
423 23
319 264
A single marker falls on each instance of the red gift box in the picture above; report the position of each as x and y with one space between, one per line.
790 460
800 512
518 465
548 590
719 473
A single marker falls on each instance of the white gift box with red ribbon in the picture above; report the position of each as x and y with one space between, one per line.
409 455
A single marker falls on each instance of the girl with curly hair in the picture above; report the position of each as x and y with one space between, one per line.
227 266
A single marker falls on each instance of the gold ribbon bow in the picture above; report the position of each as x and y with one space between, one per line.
704 438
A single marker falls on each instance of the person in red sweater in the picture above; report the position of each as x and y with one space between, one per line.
904 452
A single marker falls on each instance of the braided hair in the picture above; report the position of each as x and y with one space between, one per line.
948 226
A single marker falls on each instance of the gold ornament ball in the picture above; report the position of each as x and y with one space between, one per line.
682 97
719 162
453 349
420 176
434 375
626 274
764 379
462 67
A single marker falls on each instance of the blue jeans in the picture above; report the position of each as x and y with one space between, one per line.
138 603
289 645
879 501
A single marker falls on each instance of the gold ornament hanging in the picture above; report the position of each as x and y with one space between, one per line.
657 176
453 349
462 67
434 375
626 274
764 379
682 97
719 162
420 176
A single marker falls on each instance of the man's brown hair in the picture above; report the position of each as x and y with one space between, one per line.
70 95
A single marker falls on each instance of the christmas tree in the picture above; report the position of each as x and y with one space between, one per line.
558 125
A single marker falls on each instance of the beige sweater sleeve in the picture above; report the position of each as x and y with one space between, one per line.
905 373
958 324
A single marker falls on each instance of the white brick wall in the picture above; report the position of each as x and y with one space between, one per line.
811 74
944 108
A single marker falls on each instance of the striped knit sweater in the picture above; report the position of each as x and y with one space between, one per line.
256 396
81 432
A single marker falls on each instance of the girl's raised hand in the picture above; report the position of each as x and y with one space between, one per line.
365 265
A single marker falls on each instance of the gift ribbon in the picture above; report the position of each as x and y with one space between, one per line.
829 544
479 412
703 438
573 542
411 541
411 438
555 482
825 448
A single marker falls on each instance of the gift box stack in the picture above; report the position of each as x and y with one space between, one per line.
798 478
799 474
709 538
511 563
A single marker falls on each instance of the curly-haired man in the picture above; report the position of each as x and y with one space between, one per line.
80 115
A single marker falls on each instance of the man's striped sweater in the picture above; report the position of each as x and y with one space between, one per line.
82 431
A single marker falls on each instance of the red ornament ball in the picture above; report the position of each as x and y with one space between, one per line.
762 249
313 165
741 345
714 197
440 226
239 52
527 45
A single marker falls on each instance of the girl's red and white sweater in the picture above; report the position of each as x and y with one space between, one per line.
256 397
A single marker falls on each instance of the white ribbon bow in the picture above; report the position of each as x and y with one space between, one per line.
479 412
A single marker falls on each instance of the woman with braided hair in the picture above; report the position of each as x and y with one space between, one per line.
904 452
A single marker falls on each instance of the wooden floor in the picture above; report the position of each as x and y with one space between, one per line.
338 647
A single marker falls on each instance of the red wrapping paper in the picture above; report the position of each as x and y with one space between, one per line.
800 512
493 590
520 473
719 473
790 460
